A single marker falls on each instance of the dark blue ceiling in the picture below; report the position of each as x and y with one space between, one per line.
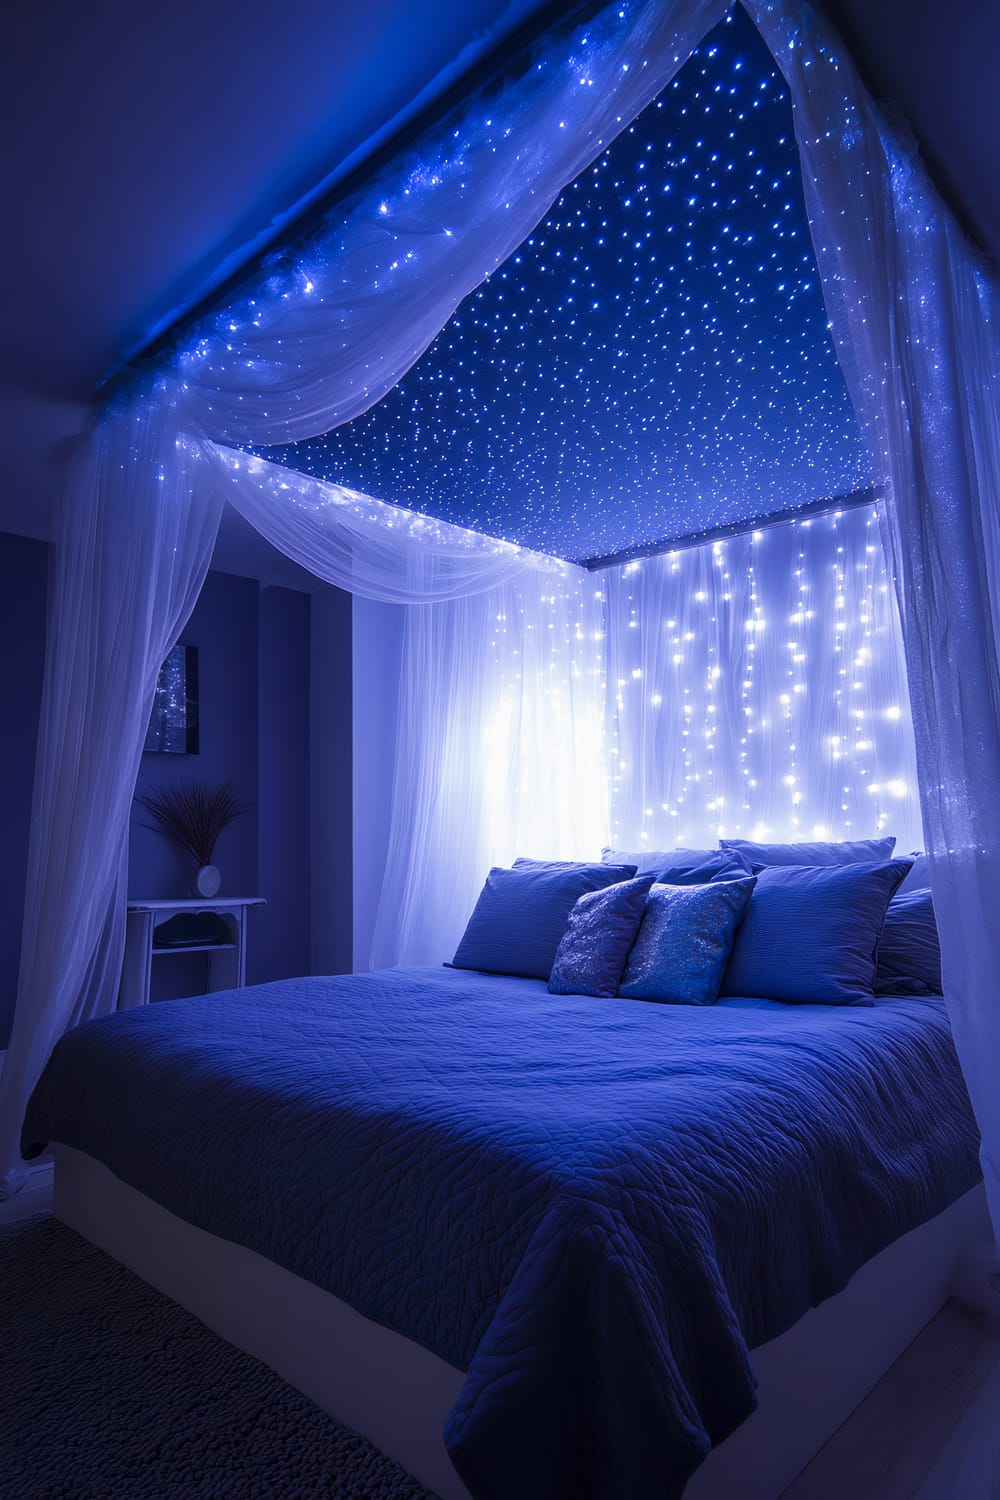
655 359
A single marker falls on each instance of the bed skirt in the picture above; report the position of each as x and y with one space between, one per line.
398 1394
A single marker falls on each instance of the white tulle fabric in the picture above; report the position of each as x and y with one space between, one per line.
363 545
917 326
324 337
134 539
759 691
499 752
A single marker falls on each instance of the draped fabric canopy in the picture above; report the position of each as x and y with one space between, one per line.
320 339
365 546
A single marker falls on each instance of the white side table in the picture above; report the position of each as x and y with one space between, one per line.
227 961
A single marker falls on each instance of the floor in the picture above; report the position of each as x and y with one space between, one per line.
930 1430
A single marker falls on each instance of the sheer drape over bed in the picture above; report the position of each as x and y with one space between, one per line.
319 340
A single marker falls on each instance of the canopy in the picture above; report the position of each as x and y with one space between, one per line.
320 339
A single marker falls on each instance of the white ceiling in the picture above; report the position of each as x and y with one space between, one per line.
146 146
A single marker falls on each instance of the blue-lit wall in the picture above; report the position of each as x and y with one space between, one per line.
254 648
23 572
224 627
253 661
282 930
378 649
331 782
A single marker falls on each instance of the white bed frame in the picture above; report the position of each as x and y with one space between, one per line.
398 1394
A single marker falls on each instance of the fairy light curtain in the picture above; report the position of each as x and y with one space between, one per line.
757 689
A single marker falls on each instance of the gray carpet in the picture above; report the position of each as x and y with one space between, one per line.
109 1391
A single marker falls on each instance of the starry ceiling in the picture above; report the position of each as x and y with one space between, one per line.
654 360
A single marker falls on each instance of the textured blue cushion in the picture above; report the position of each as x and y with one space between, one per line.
909 953
594 949
522 913
919 878
648 861
811 933
858 852
680 953
720 864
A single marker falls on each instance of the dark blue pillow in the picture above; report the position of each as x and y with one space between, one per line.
522 913
811 933
919 878
858 852
679 956
909 953
594 949
720 864
647 861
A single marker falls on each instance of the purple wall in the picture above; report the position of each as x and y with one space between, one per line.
281 931
254 658
224 627
331 782
23 574
378 651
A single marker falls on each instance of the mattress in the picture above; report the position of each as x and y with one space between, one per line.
595 1208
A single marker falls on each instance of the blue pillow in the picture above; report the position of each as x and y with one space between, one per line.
860 852
680 954
521 915
811 933
720 864
919 878
648 861
909 953
594 949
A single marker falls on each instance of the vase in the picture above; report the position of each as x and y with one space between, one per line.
207 880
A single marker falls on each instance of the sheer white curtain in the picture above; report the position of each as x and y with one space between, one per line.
319 338
917 325
363 545
125 576
757 689
499 751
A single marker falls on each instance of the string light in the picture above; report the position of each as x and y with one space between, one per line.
767 703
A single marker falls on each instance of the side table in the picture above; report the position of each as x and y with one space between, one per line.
227 959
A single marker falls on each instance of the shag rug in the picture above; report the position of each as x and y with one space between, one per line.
109 1391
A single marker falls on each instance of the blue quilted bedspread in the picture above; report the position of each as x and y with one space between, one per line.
594 1207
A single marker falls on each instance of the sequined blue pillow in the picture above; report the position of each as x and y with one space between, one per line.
680 954
594 948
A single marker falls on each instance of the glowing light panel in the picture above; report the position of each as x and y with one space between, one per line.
757 689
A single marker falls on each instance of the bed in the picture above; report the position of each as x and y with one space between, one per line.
567 1220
